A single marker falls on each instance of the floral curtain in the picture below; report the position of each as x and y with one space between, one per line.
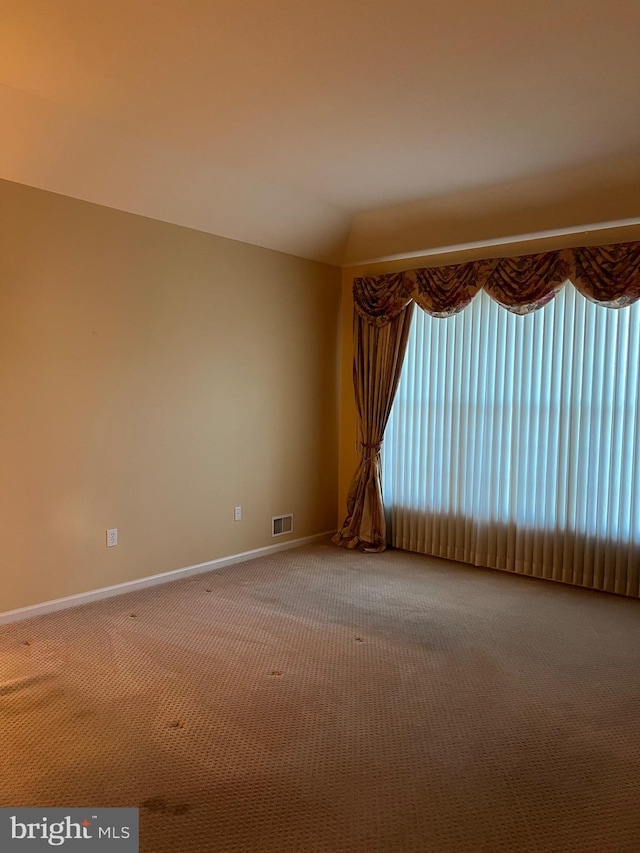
379 353
608 275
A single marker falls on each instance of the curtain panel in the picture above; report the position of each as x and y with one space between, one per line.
378 357
608 275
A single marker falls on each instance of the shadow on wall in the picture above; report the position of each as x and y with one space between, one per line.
601 193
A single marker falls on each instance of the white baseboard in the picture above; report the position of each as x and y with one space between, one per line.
153 580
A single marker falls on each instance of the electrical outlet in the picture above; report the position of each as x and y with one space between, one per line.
112 537
237 513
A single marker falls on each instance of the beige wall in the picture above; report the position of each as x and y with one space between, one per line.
152 378
348 430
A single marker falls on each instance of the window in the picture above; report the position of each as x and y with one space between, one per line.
514 441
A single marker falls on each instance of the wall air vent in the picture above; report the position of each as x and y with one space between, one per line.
281 524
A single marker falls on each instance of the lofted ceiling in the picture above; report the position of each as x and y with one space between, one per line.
318 116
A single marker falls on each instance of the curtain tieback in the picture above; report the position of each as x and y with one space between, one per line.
370 450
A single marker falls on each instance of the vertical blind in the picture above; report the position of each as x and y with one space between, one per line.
514 441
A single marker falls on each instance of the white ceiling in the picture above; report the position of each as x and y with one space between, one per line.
320 111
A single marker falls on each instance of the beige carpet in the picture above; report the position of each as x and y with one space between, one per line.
321 700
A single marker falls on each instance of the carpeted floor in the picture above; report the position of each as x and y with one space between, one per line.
321 700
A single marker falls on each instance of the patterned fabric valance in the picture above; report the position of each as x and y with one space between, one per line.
609 275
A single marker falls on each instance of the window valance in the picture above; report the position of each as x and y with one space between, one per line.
609 275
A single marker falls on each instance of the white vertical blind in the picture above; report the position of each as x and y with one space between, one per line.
514 441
